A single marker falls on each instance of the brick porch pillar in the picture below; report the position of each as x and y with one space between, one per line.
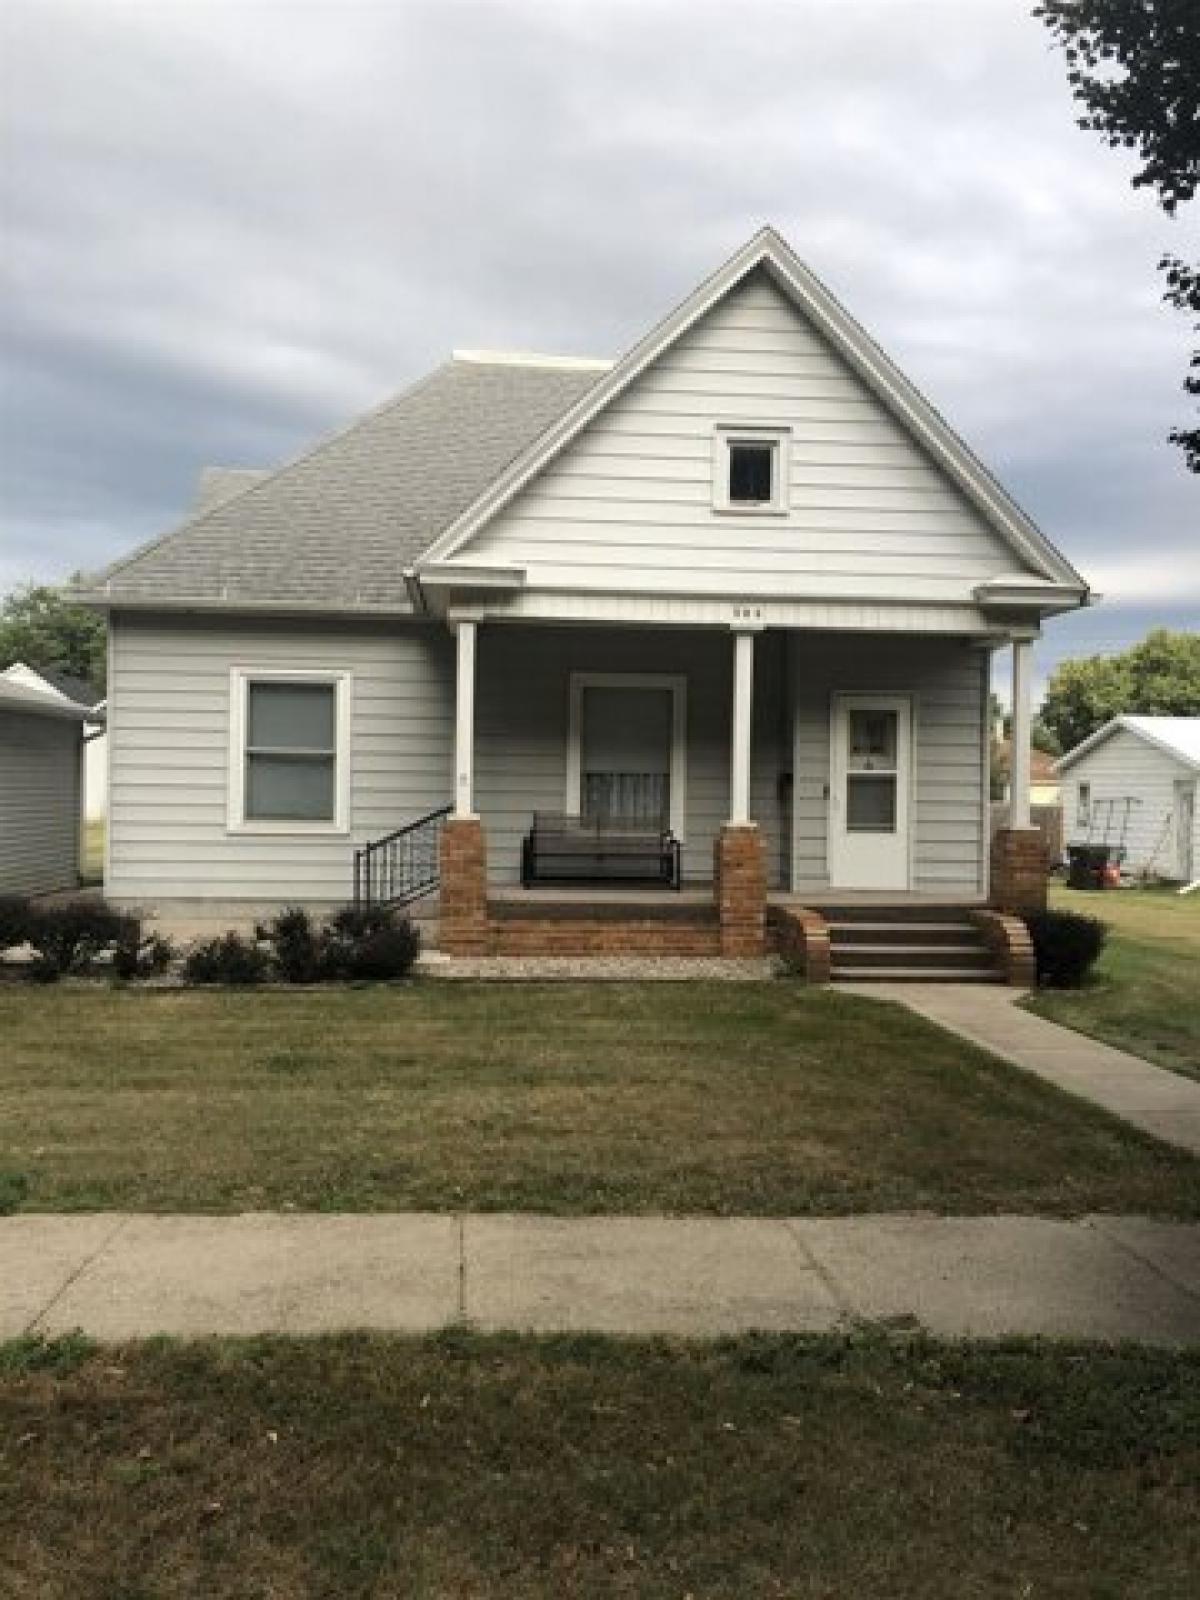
464 909
740 888
1018 871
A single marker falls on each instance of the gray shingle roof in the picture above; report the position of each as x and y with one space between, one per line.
218 484
339 525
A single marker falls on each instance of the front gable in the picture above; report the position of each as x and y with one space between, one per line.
879 499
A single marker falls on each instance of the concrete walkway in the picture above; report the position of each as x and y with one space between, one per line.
121 1276
1160 1102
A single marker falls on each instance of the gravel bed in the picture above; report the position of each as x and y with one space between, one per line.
639 969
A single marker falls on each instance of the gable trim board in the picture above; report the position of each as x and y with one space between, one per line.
850 340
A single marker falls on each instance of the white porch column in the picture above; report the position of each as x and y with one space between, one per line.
464 721
1022 727
743 706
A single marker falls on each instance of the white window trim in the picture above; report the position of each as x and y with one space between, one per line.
676 683
240 679
726 434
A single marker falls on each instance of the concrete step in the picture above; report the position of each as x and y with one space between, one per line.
899 974
873 933
919 912
877 956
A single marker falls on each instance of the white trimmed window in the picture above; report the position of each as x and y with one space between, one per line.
1083 806
289 766
750 470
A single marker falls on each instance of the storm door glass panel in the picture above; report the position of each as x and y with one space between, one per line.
871 775
291 752
626 756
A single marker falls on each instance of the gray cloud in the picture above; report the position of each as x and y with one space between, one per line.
228 227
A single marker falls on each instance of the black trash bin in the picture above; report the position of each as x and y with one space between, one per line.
1086 865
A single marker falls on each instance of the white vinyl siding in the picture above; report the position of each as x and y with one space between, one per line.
629 505
1121 767
169 753
40 769
946 680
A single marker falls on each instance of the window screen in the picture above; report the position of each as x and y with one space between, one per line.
751 474
291 752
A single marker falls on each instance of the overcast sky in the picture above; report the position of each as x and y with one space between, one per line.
229 226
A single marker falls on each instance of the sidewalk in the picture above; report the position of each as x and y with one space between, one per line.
1160 1102
125 1276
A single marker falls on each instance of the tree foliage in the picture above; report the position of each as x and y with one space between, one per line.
43 629
1134 66
1158 677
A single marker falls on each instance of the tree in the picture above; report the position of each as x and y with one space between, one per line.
43 629
1160 676
1134 66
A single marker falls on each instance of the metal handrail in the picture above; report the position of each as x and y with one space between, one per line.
403 865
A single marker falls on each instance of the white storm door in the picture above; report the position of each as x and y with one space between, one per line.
870 780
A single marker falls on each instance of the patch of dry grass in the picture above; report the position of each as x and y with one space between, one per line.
887 1468
721 1099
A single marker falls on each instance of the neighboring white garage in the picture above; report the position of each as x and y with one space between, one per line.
41 771
1133 783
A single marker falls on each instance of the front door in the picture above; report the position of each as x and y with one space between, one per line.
870 765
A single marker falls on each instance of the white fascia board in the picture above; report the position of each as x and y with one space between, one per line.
847 336
97 600
463 575
1007 594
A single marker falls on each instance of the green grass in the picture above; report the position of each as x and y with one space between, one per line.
866 1465
710 1098
1144 995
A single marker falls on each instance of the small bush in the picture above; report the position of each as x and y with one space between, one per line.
68 938
230 959
301 952
372 943
1065 946
14 920
138 957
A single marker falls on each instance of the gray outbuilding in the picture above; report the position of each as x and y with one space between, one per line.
41 764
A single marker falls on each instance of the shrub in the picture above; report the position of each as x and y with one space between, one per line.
302 954
1065 946
14 920
68 938
230 959
138 957
372 942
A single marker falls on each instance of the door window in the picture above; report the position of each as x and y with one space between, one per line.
871 771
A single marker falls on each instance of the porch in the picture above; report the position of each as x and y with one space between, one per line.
794 773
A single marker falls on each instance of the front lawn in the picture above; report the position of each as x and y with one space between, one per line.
713 1098
884 1468
1144 995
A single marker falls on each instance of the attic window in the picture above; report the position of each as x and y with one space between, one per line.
751 473
750 470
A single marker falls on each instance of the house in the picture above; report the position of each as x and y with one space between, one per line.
41 769
743 584
77 692
1133 783
1044 787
